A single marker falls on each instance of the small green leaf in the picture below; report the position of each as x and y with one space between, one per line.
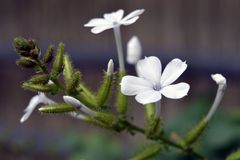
57 108
104 89
234 156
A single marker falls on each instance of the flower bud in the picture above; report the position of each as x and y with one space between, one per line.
110 68
134 50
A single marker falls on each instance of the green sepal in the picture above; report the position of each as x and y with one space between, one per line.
57 108
73 82
26 62
87 97
104 90
193 135
48 56
107 118
234 156
58 61
122 100
52 88
68 74
154 124
148 152
41 78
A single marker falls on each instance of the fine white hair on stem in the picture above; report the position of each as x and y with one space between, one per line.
78 105
222 83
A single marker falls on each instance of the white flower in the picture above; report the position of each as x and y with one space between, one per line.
150 85
222 84
134 50
110 68
112 20
219 79
78 105
35 100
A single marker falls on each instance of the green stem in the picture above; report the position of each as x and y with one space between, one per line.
189 151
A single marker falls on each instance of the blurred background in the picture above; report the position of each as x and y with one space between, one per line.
205 33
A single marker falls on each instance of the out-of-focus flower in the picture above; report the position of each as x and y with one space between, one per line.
222 83
150 85
134 50
112 20
35 100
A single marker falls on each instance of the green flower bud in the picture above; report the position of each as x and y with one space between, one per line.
58 61
26 62
48 56
40 87
42 78
56 108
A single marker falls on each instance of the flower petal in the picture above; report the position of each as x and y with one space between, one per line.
219 79
131 85
134 50
96 22
100 29
133 14
150 69
114 16
172 71
148 96
175 91
130 21
72 101
29 109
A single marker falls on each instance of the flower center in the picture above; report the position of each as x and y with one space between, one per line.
157 87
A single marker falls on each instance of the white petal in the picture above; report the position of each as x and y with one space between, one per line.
100 29
114 16
134 50
72 101
96 22
219 79
78 105
175 91
172 71
150 69
131 85
29 109
148 96
44 99
133 14
130 21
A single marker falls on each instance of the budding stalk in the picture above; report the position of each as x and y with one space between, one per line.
222 84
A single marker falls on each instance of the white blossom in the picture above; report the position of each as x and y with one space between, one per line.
112 20
110 68
35 100
134 50
78 105
151 84
222 83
